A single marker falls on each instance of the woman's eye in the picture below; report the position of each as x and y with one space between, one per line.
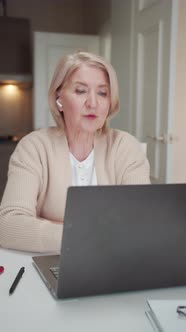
102 93
79 91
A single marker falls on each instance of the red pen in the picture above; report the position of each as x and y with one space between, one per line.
2 269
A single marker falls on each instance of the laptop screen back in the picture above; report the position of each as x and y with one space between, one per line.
121 238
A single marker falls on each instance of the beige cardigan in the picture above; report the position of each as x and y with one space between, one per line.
33 204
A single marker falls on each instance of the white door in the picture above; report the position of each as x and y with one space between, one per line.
154 25
48 49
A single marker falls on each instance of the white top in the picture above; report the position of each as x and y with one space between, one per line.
83 172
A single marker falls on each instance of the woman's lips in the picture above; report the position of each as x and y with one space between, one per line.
90 116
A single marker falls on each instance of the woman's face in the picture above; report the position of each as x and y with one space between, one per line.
86 100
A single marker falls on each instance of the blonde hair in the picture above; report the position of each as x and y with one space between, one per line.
66 67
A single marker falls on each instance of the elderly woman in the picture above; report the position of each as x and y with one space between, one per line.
80 150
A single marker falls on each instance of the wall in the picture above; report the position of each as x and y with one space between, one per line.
6 149
70 16
49 15
104 19
15 110
179 146
67 16
120 57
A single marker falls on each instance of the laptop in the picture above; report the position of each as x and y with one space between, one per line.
119 238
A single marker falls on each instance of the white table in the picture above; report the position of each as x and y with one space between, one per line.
32 308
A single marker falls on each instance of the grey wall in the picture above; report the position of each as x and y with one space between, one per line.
67 16
121 52
70 16
6 149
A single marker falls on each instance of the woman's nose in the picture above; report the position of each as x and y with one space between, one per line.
91 100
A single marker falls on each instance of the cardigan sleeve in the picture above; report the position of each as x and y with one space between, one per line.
132 166
20 226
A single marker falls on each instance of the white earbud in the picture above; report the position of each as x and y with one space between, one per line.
58 103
